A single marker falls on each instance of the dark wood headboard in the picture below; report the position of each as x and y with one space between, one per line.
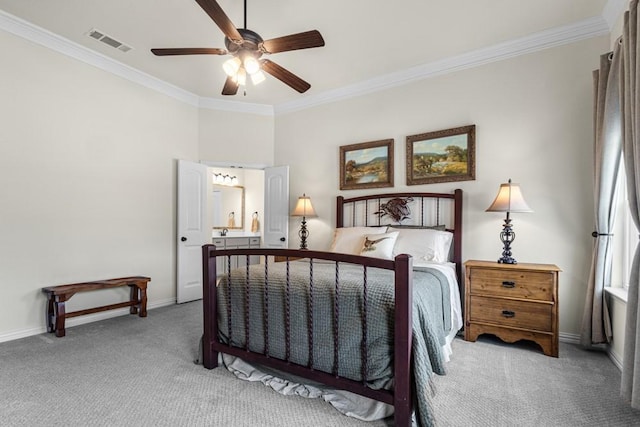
432 209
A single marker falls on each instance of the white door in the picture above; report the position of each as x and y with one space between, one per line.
276 207
194 229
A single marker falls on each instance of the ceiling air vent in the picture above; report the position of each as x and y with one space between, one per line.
102 37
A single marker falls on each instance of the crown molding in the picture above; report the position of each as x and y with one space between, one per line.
235 106
28 31
592 27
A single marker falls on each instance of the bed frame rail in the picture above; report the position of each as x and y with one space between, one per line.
400 397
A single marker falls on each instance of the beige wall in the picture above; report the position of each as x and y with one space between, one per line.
228 137
88 161
88 172
533 118
618 313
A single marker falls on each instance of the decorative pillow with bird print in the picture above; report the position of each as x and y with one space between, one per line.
348 240
379 245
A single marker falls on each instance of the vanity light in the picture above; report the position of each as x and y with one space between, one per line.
221 179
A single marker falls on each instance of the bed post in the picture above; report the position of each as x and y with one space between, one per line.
457 235
339 212
210 307
402 400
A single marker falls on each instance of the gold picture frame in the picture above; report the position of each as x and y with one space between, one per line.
366 165
442 156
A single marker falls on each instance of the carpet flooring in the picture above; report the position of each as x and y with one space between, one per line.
130 371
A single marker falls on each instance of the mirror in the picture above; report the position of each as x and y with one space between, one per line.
228 207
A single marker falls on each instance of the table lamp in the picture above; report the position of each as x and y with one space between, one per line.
304 208
509 199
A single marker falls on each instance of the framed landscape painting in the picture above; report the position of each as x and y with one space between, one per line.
442 156
366 165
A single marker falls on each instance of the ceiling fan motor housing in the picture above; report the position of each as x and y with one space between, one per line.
251 43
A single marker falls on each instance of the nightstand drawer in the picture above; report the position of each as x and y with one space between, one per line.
519 314
532 285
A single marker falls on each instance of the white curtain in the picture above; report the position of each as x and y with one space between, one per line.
630 388
596 324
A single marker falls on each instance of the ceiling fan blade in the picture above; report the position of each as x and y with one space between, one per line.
304 40
221 19
285 76
189 51
230 87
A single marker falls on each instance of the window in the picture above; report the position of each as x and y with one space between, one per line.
630 242
629 231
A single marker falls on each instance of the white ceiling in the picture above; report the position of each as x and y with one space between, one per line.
365 39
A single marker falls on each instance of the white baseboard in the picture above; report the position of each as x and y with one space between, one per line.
81 320
575 339
569 338
615 357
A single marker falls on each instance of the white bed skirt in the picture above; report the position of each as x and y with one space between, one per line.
348 403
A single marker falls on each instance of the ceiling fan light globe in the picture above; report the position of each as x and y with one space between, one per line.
241 77
257 78
231 66
251 64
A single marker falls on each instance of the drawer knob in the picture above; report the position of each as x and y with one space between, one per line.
508 313
507 284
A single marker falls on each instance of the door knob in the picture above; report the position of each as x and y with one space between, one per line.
183 239
282 239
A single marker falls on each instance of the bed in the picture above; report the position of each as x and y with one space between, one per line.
364 317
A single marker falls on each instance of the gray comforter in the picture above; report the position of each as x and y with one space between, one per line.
431 321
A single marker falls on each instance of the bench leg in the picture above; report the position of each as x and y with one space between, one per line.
133 292
50 315
138 292
143 300
60 314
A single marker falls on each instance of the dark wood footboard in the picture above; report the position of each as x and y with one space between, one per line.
400 397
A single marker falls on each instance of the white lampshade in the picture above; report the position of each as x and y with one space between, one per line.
231 66
251 64
304 207
258 77
509 199
241 77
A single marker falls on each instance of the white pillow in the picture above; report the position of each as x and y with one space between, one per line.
348 240
423 244
379 245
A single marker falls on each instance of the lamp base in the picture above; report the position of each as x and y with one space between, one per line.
507 236
303 234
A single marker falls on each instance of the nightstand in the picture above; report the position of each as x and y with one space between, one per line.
513 302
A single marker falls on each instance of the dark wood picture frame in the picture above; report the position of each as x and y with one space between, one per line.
366 165
442 156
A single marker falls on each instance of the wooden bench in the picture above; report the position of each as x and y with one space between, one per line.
59 295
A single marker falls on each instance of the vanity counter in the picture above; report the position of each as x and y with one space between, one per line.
236 241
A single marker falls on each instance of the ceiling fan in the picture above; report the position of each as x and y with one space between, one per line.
247 47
